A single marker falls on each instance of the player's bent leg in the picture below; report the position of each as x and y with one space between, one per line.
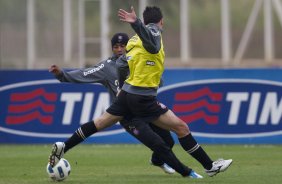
187 141
149 138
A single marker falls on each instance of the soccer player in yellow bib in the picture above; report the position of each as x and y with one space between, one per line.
145 60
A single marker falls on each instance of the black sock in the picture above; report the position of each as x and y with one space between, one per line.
80 134
190 145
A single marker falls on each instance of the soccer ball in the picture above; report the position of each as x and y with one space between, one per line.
60 171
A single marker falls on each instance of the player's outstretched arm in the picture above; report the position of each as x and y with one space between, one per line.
129 17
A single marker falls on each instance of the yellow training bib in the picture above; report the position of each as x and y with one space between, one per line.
145 68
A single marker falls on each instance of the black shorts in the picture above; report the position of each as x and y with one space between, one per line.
132 106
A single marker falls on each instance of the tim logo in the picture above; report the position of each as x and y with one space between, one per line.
47 108
227 108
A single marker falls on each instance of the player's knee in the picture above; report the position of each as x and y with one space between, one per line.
181 129
101 123
106 120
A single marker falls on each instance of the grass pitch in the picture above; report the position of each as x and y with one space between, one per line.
129 164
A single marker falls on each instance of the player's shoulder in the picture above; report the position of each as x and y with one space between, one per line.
104 62
108 63
154 29
109 59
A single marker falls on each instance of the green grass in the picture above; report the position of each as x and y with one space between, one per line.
128 164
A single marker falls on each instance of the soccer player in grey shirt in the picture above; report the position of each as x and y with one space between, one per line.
105 73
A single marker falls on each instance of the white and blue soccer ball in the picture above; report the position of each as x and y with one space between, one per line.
60 171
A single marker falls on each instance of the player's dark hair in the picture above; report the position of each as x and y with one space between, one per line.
152 14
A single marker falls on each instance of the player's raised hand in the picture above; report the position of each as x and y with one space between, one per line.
125 16
55 70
